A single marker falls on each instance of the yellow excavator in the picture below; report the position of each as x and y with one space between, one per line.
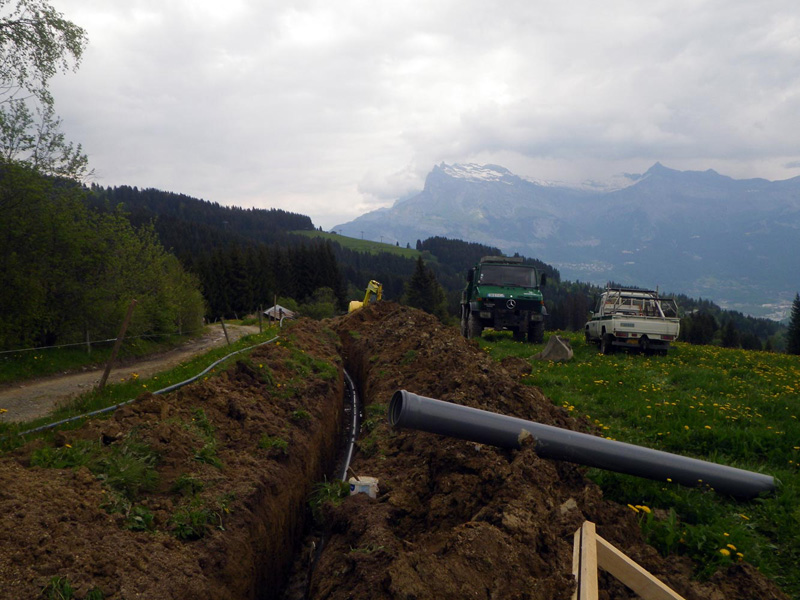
373 287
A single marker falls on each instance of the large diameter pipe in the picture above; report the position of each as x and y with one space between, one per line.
445 418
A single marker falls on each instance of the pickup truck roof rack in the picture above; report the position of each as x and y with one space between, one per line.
631 290
501 259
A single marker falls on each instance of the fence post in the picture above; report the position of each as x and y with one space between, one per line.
117 345
88 343
225 330
260 314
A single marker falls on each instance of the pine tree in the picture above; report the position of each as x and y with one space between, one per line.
730 336
423 291
793 334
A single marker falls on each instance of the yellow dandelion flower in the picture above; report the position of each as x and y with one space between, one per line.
731 546
724 552
67 445
633 508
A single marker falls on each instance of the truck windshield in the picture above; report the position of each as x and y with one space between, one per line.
507 275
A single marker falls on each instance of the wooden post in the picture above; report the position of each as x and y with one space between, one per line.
117 345
260 314
88 342
585 568
225 330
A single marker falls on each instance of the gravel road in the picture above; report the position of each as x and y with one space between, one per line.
38 397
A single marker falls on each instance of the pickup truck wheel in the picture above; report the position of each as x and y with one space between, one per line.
474 327
606 345
536 332
644 346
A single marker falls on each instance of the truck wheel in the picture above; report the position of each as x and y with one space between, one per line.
536 332
644 346
606 344
474 327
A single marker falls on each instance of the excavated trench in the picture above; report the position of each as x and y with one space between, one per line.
452 519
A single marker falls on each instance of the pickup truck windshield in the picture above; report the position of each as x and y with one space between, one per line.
507 275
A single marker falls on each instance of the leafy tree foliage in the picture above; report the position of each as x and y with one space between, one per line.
793 334
36 42
67 270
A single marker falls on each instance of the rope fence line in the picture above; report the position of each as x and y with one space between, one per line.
84 343
165 390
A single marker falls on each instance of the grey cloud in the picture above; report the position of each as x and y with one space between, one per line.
326 106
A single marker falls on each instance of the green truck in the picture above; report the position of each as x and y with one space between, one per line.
504 294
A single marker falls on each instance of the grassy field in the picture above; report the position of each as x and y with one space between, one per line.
734 407
362 245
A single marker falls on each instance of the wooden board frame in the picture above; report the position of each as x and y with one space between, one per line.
591 551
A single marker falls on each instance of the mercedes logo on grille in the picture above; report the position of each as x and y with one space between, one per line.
511 303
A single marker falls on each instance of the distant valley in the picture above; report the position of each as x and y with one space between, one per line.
736 242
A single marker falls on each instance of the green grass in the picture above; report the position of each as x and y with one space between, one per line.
362 245
127 468
735 407
327 491
19 366
132 386
274 445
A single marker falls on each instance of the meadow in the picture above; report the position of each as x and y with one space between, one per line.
358 245
733 407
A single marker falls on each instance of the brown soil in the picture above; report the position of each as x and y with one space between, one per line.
458 520
452 520
54 523
36 398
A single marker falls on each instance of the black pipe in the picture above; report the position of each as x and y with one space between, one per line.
484 427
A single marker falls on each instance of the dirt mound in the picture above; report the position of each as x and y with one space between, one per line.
459 520
221 510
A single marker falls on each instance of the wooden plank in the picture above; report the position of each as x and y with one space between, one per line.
587 585
576 561
631 574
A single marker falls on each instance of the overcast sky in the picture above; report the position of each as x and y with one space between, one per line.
333 108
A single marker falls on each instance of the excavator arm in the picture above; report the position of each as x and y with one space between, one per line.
373 287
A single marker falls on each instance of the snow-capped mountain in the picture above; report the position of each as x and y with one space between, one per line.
700 233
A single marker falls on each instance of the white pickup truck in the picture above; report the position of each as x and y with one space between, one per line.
633 319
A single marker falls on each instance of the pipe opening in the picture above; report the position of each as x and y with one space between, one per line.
395 407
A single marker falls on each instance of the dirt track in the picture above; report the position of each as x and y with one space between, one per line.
36 398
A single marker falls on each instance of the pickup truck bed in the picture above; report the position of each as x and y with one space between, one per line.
633 320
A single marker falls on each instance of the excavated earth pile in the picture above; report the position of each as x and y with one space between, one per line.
234 456
454 519
203 493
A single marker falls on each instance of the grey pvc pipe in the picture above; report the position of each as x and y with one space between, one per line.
445 418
